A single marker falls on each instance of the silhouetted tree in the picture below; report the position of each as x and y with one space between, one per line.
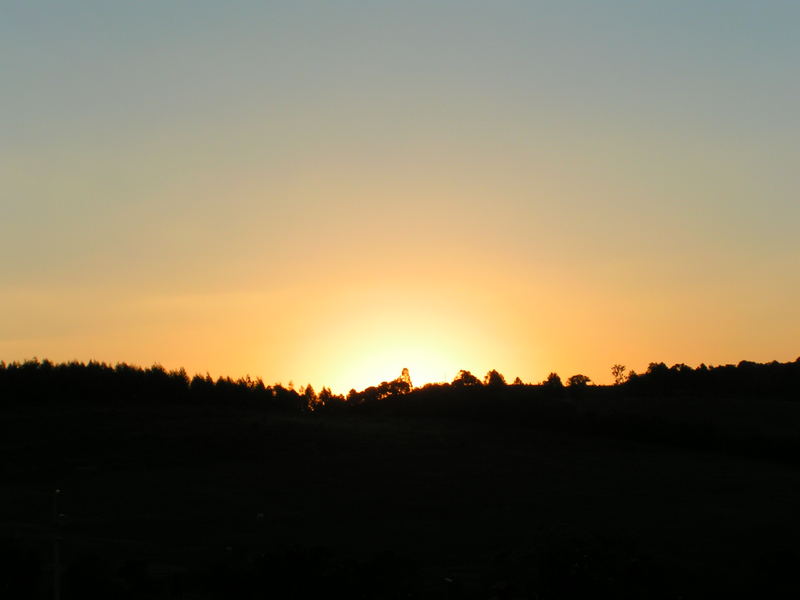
578 381
494 379
309 396
517 381
401 385
327 400
618 373
42 382
465 379
286 399
405 377
201 388
386 389
553 381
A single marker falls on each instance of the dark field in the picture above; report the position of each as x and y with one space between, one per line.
199 502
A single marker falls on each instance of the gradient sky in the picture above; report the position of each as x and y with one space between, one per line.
327 192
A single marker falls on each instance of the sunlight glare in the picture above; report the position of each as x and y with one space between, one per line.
425 364
375 345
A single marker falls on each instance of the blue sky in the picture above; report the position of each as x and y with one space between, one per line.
179 179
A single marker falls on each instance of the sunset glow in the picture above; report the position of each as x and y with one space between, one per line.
327 193
399 299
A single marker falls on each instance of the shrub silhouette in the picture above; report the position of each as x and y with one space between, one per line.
578 381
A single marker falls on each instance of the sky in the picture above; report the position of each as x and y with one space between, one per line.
327 192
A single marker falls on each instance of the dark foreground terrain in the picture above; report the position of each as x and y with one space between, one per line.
223 502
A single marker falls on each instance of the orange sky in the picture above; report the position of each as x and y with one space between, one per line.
329 193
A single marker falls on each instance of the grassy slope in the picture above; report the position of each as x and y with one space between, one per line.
480 503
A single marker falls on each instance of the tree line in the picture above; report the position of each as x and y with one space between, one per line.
44 381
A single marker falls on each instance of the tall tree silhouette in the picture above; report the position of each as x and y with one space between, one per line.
405 377
618 373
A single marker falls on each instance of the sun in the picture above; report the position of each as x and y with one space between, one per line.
426 364
372 349
369 335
